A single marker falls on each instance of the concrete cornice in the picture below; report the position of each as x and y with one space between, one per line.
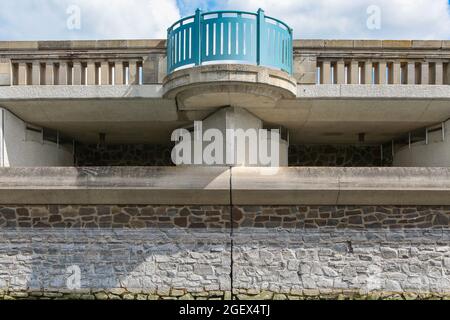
161 44
341 186
212 186
155 91
12 93
372 91
371 44
125 185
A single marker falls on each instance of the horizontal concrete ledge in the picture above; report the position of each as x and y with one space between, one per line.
375 91
115 185
24 93
341 186
155 91
211 186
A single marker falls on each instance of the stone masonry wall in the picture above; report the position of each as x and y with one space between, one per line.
299 155
123 155
337 156
184 252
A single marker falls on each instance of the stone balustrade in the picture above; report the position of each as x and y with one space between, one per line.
372 62
135 62
115 62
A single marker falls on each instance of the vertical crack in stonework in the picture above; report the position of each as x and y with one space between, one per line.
231 233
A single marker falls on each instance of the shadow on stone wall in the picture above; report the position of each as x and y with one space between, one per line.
299 155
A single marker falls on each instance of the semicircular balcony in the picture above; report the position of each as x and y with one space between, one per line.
235 58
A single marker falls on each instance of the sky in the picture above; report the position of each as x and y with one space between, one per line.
141 19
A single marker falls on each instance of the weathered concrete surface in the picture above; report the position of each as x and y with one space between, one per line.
236 85
319 114
211 185
346 186
139 185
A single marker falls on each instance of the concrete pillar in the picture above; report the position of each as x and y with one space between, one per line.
354 72
242 148
368 72
396 66
5 72
132 73
36 73
439 73
77 73
411 73
380 75
447 74
105 73
22 81
162 68
305 69
340 72
326 72
62 78
49 72
91 71
425 73
118 73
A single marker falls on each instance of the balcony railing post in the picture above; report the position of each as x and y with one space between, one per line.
169 52
291 51
260 44
197 37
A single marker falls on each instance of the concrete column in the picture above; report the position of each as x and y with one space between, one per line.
49 73
438 73
425 73
105 73
5 72
396 66
118 73
162 68
368 72
340 73
77 73
411 73
36 73
91 73
381 73
354 72
149 70
239 149
305 69
447 74
132 73
326 72
22 74
62 78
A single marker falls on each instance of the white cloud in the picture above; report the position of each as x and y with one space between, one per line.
120 19
400 19
100 19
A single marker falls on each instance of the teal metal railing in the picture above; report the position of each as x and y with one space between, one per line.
238 36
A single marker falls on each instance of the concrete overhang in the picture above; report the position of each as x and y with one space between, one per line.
319 113
120 185
213 185
340 186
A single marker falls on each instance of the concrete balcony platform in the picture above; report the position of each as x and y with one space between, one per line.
236 85
216 186
317 114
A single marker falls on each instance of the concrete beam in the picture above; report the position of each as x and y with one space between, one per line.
341 186
5 72
211 186
126 185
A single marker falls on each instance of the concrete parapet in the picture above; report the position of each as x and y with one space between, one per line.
211 185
